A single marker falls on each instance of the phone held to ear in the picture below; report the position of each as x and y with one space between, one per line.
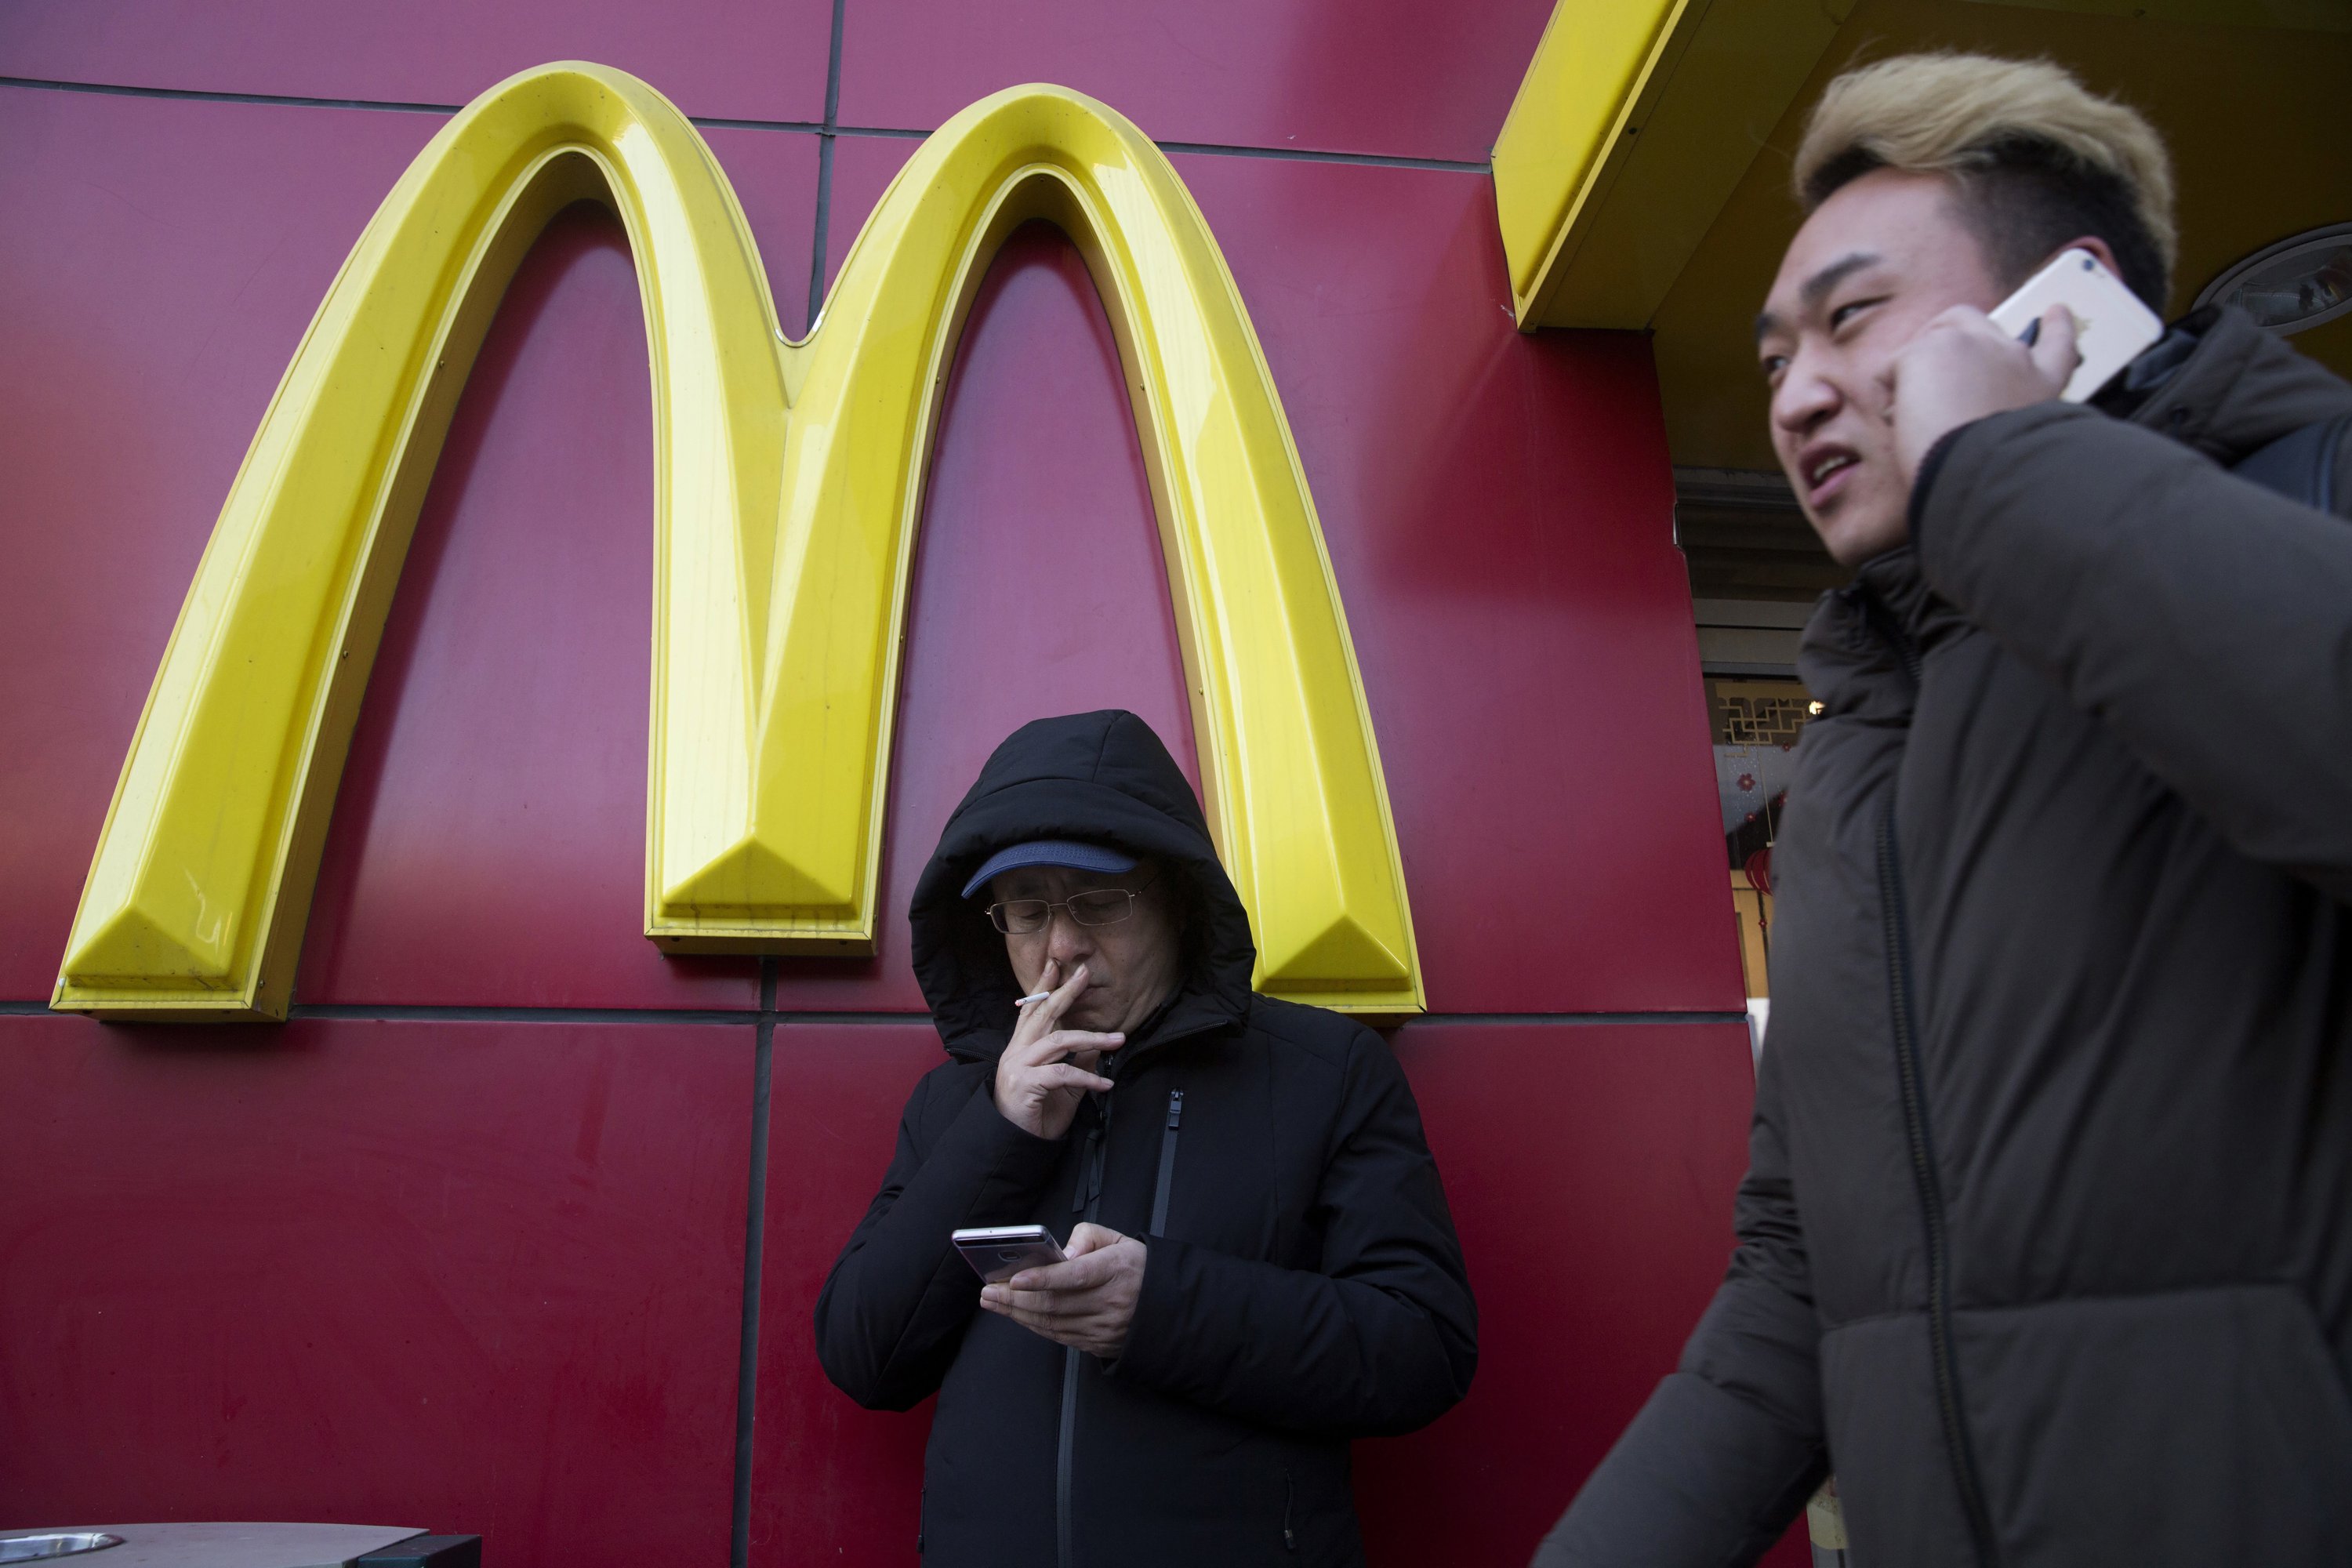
997 1252
2111 326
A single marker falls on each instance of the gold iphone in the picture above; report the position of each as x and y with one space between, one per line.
2111 326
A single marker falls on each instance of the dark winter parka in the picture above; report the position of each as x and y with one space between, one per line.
2046 1239
1302 1283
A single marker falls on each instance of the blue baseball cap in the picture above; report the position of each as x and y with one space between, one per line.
1067 852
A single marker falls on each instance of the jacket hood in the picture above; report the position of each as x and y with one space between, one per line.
2217 381
1104 778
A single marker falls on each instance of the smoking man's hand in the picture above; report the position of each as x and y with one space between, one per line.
1089 1302
1046 1070
1961 368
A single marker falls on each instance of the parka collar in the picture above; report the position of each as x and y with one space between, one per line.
2218 383
1862 648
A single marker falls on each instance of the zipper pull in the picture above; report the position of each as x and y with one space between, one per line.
1175 1108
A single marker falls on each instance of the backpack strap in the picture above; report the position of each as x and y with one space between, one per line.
2301 465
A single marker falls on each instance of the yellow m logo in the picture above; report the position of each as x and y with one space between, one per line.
788 486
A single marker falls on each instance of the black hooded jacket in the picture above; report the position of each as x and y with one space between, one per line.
2046 1236
1303 1285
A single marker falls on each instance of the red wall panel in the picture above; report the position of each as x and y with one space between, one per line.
1500 512
743 59
159 263
479 1277
1393 76
830 1483
512 823
1039 583
775 174
304 1236
863 168
488 842
1591 1169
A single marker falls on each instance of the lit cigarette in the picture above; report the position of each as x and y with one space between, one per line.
1033 996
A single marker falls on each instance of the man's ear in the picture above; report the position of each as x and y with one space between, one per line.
2090 242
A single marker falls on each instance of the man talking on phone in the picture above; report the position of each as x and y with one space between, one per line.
1260 1261
2046 1245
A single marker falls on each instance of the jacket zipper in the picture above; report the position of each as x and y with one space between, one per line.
1289 1505
1931 1195
1087 1202
1167 1163
1890 631
1912 1080
1062 1458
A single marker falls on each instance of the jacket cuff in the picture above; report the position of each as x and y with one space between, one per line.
1698 1476
1156 1336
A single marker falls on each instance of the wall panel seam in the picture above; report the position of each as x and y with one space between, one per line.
768 1013
797 127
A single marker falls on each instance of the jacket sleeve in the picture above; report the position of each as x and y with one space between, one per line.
1727 1450
1382 1339
2207 621
895 1305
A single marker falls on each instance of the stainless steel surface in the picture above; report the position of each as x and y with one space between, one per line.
58 1543
225 1544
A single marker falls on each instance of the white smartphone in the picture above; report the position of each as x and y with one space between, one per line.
1000 1251
2111 326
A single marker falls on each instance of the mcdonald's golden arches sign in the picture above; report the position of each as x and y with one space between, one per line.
787 490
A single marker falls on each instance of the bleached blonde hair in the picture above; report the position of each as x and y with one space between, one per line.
2074 156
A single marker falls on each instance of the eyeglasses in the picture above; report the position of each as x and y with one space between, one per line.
1101 907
